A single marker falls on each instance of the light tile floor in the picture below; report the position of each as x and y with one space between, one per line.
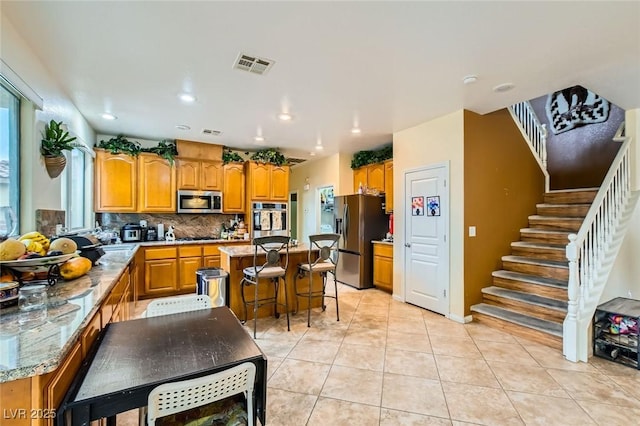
389 363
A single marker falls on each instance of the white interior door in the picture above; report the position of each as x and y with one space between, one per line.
426 240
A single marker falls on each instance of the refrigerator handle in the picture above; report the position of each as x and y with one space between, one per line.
345 220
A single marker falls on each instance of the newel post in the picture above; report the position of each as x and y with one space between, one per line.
570 326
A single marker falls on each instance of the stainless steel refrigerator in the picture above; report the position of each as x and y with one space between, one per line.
359 219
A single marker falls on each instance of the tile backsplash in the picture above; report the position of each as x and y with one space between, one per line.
46 221
185 225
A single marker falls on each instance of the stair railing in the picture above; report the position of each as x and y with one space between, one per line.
588 250
534 132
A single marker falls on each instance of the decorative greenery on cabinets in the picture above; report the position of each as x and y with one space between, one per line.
229 156
362 158
270 156
120 145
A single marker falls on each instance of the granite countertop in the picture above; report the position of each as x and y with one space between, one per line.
165 243
389 243
248 250
36 349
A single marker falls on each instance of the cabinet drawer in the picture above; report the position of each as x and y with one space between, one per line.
190 251
384 250
211 251
160 253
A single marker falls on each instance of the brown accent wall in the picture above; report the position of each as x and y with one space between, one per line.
502 185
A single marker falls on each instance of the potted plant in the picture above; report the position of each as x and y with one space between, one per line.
55 140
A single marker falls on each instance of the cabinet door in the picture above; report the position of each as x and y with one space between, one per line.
383 272
375 177
233 188
188 174
188 268
280 183
388 186
359 178
260 181
61 381
160 276
115 182
211 176
211 261
157 185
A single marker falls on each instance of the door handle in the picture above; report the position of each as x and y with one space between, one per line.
407 245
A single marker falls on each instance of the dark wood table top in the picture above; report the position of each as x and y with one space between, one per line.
147 352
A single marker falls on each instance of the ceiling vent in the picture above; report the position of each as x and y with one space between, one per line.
294 161
253 64
210 132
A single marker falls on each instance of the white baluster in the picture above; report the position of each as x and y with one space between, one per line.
570 325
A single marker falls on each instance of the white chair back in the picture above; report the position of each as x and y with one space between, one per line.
175 305
171 398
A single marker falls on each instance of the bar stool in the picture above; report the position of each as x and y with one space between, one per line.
274 270
326 261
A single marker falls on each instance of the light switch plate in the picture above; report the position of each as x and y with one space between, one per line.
472 231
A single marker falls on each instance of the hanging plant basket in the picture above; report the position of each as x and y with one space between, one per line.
55 164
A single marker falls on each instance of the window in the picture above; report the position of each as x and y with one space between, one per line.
9 161
74 188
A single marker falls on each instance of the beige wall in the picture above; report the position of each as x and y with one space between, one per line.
625 277
38 190
333 170
439 140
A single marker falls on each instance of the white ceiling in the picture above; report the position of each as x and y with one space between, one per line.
388 65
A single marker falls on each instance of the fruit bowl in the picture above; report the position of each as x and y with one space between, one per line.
38 264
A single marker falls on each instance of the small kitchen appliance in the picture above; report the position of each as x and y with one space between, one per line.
152 234
131 233
89 247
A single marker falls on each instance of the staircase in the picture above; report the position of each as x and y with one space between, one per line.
529 297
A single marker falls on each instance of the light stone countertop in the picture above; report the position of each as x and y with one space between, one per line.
32 350
248 250
36 349
389 243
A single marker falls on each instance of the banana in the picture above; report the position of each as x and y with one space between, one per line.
37 237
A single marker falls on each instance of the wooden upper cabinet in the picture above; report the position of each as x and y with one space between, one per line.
279 183
359 178
115 183
233 188
388 186
375 176
259 181
211 176
199 175
371 177
188 174
156 184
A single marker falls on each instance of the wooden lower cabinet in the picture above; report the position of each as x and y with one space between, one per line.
190 261
383 266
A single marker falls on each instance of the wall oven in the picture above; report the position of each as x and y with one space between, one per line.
199 201
269 219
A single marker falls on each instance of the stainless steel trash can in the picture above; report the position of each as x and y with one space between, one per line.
214 283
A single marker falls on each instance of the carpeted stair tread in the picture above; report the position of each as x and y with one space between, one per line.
544 326
533 279
535 261
545 231
527 298
529 244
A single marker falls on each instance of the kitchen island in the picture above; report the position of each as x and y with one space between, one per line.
233 259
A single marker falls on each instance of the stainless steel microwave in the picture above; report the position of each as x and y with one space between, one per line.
199 201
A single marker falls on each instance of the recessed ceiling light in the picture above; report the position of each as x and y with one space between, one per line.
109 116
183 127
285 116
258 139
356 130
319 147
470 79
187 97
312 153
505 87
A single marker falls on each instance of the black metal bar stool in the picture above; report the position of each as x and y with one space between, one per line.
325 262
273 269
